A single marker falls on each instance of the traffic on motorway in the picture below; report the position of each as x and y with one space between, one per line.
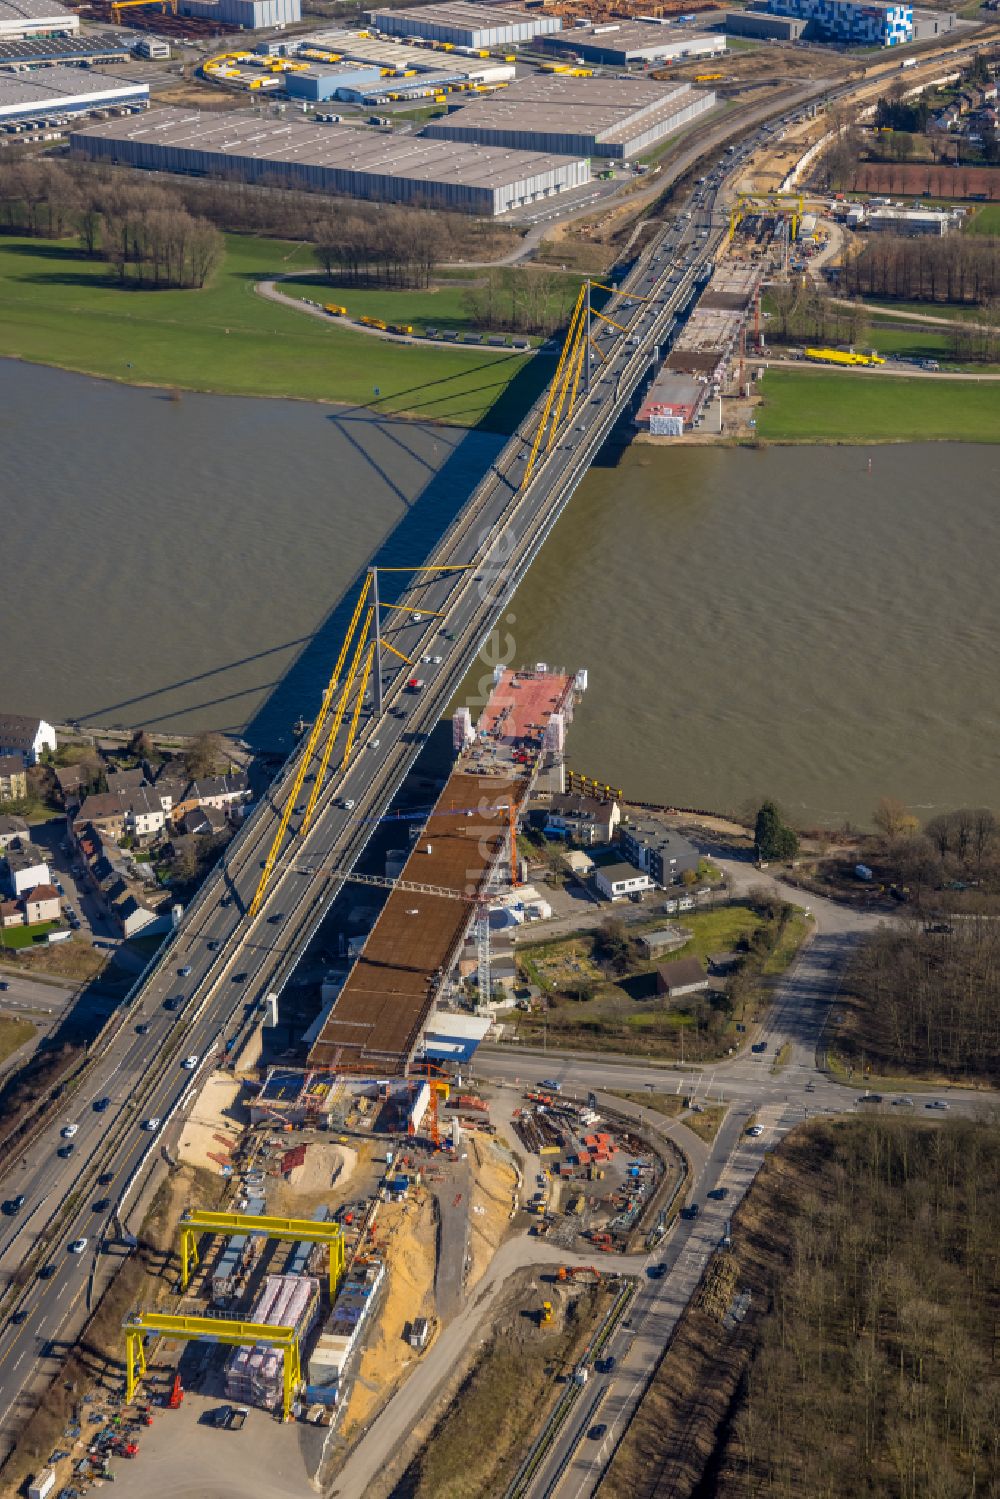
74 1193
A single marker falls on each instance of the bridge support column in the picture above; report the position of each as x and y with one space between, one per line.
378 643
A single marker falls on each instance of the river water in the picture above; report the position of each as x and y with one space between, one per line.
779 622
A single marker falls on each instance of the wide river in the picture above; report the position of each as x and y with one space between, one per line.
787 622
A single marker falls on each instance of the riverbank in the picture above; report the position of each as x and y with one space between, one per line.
64 309
848 406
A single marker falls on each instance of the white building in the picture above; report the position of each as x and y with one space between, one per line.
27 737
26 868
618 881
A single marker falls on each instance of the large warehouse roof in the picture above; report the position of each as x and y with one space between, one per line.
60 87
28 16
335 158
465 24
557 112
625 41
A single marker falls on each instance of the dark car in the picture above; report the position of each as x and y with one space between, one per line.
759 1046
4 984
142 1030
719 1194
278 916
14 1204
66 1150
240 978
691 1211
105 1179
100 1104
596 1432
46 1272
174 1002
101 1205
607 1365
657 1272
18 1317
226 900
213 946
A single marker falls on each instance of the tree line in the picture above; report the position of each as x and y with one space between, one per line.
385 246
523 301
140 228
953 268
874 1364
804 313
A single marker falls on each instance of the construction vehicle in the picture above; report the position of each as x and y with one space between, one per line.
403 328
843 356
176 1397
578 1272
334 309
373 322
545 1316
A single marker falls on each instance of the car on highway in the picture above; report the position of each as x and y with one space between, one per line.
719 1194
68 1131
278 916
101 1205
597 1431
190 1063
100 1104
436 660
4 985
78 1246
607 1365
902 1102
105 1179
657 1272
416 618
14 1204
691 1211
174 1002
185 971
755 1130
214 945
47 1272
142 1029
18 1317
240 978
937 1103
348 804
227 900
66 1150
151 1124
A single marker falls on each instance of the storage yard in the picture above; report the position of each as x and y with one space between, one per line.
333 158
614 118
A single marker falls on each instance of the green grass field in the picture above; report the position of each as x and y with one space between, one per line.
985 220
62 309
15 937
821 406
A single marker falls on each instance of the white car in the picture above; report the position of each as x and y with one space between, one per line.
425 660
437 660
151 1124
755 1130
416 618
78 1246
68 1131
190 1063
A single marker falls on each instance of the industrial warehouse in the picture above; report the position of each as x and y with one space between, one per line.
335 159
462 25
620 43
35 18
66 90
609 117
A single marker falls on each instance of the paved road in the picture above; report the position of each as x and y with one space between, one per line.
873 371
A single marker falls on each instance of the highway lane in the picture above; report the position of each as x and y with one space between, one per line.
219 964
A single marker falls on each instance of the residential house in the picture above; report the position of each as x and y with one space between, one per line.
26 867
11 913
13 830
228 793
125 780
28 738
685 976
584 819
104 812
13 779
663 854
73 781
41 904
131 915
617 881
203 820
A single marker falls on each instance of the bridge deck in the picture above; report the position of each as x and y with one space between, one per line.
380 1012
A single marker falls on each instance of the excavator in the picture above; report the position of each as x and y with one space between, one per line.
578 1272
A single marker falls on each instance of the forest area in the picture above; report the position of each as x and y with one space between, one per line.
866 1365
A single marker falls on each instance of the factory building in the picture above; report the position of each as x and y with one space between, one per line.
64 90
878 25
35 18
356 163
320 82
622 42
610 117
762 25
465 25
247 15
37 51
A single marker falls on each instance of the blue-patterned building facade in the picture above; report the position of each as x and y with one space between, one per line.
849 21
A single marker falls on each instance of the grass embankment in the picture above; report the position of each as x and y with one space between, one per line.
61 308
13 1033
852 407
985 220
68 960
866 1363
502 1401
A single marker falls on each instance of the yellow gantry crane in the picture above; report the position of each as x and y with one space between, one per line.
140 1325
195 1222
